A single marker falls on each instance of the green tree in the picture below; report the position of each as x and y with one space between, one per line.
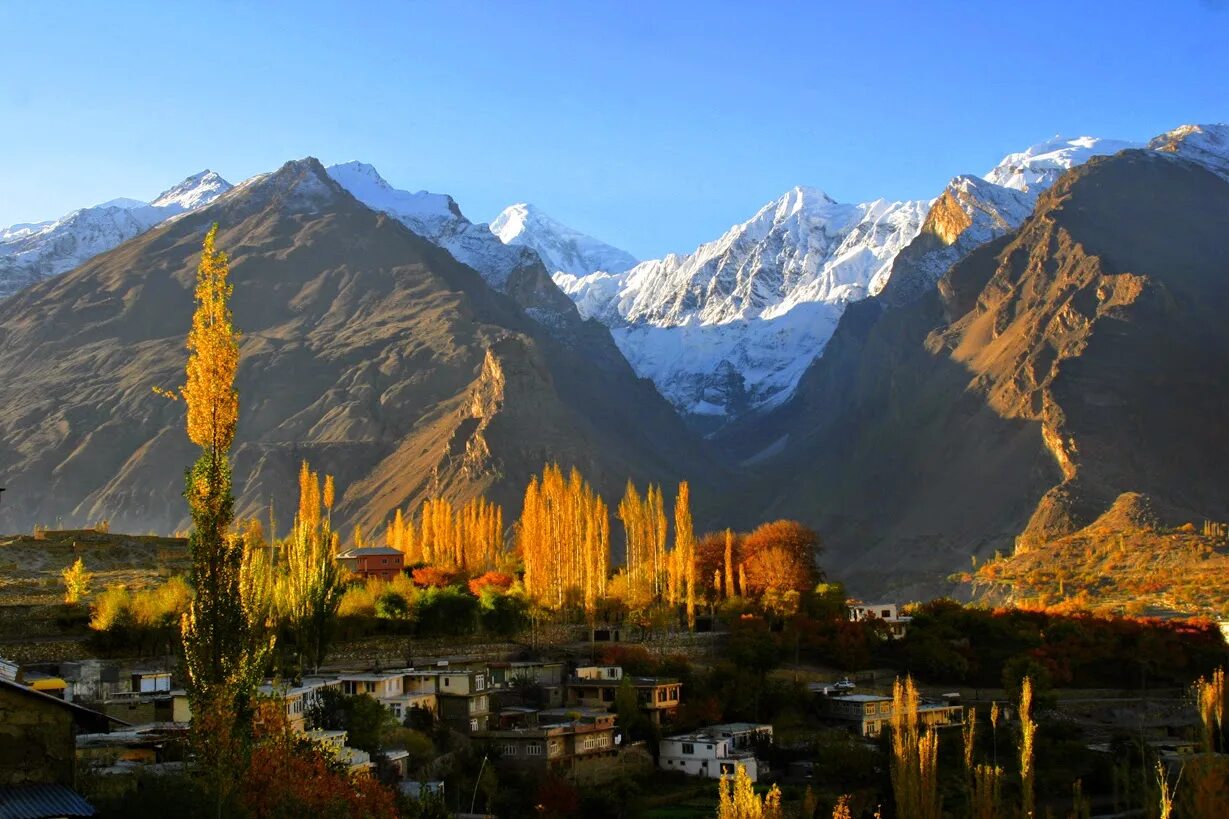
627 705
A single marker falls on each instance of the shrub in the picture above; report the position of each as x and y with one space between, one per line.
112 608
391 605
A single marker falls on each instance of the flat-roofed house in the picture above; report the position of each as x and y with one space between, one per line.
869 714
578 742
596 686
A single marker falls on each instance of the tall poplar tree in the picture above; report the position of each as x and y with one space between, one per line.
226 635
311 587
685 549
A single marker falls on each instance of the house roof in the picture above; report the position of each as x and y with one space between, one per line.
80 713
370 551
41 802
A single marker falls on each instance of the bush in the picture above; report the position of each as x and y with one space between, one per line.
391 605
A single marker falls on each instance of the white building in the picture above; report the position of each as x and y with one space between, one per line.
599 672
887 612
715 751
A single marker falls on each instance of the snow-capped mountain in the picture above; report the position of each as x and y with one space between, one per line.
1036 169
32 252
562 249
731 326
970 212
1206 144
437 218
194 192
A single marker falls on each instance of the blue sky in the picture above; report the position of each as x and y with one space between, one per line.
654 126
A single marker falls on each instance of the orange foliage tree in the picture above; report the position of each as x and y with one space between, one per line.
781 556
289 775
468 538
563 538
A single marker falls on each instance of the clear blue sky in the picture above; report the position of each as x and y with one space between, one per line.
654 126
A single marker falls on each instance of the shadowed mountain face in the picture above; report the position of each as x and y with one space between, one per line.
1082 357
365 349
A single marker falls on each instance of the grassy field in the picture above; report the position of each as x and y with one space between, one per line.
35 624
30 565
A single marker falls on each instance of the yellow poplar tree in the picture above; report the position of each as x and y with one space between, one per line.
1027 730
76 582
226 635
310 589
685 548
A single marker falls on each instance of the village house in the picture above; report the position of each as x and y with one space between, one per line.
577 742
354 760
38 748
596 686
887 612
715 751
367 562
869 714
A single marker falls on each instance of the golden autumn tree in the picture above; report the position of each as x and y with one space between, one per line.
728 563
1028 730
76 582
914 763
226 635
563 537
685 550
310 587
468 538
737 799
780 555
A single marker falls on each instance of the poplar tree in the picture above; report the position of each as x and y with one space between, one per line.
1028 729
729 563
226 639
685 548
311 587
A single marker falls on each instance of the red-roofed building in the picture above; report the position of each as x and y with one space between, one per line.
383 562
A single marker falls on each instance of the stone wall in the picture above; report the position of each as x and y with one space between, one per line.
36 740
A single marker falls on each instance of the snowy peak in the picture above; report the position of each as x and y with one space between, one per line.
366 185
561 248
31 252
194 192
436 218
1036 168
1206 144
759 302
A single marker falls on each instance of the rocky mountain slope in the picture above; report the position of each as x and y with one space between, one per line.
33 252
1051 370
561 248
365 348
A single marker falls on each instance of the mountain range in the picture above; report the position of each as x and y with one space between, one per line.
31 252
367 349
921 380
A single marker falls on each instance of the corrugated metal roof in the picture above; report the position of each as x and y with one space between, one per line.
370 551
41 802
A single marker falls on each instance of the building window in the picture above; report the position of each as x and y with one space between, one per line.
473 725
479 682
533 750
446 681
688 748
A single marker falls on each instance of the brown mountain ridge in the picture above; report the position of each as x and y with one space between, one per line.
1052 370
365 349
